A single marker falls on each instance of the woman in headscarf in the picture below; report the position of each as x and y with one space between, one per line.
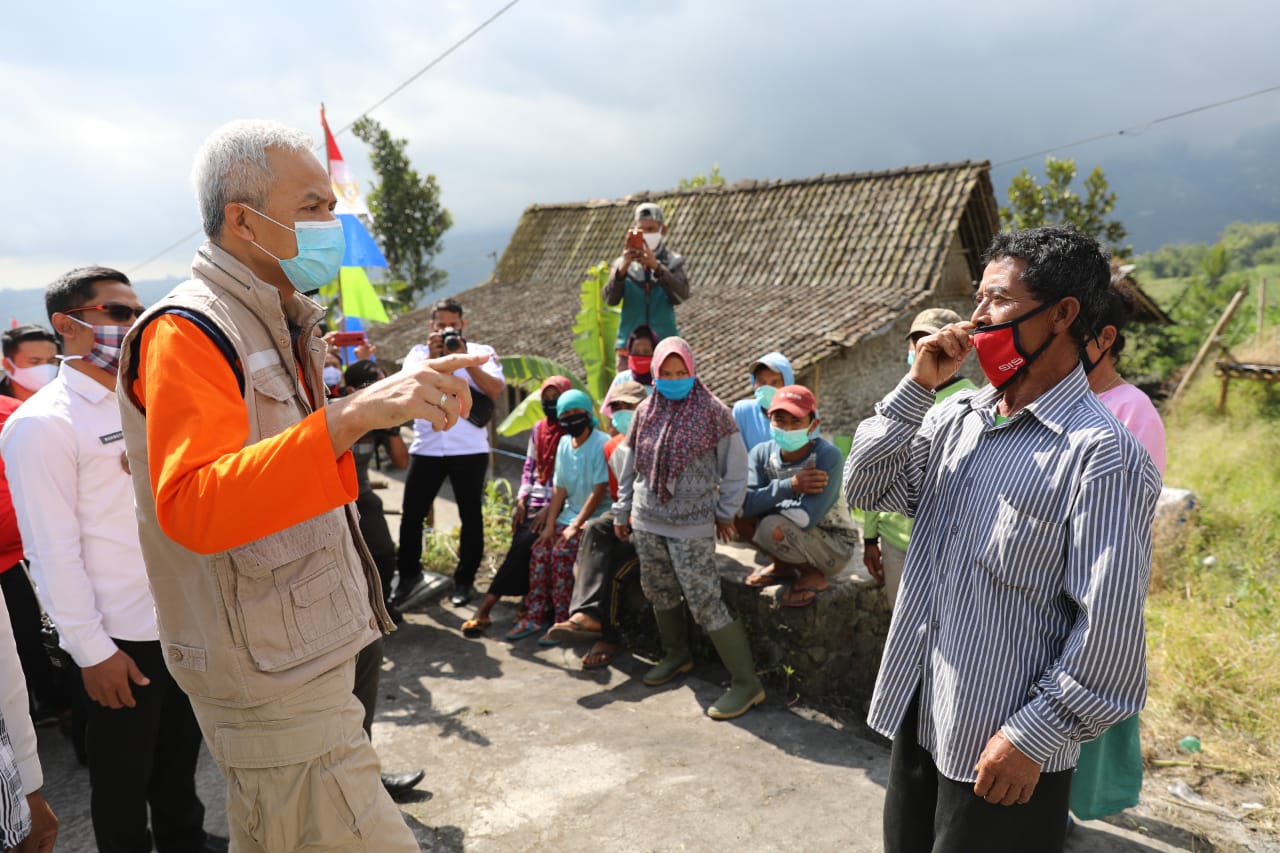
683 481
532 499
580 480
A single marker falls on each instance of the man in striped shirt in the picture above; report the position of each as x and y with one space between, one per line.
1018 631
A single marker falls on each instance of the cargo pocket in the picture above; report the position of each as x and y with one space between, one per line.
294 595
275 399
1024 553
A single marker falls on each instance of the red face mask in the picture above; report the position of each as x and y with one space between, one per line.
640 365
1000 353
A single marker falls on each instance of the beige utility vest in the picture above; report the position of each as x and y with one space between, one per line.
247 625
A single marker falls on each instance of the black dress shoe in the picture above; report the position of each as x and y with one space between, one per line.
398 783
462 595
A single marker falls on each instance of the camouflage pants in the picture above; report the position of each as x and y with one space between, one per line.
674 568
791 543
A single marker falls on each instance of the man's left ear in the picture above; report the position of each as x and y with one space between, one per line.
1066 313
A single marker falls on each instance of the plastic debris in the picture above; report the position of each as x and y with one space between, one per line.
1190 743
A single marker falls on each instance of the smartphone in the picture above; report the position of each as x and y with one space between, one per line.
635 239
348 339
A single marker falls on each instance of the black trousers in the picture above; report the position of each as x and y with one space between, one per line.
512 577
605 566
925 812
377 535
43 682
368 671
466 474
145 756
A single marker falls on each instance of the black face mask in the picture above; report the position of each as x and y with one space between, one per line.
576 425
549 409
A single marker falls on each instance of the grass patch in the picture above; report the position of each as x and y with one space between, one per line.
1213 615
440 547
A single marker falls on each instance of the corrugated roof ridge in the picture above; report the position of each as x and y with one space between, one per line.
758 184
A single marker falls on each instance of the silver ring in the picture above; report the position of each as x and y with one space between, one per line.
444 398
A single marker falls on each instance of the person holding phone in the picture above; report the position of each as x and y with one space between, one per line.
648 280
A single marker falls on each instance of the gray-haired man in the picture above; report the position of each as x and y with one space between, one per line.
244 480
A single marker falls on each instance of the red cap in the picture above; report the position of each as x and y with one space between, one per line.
796 399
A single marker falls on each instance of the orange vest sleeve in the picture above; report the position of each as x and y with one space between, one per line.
212 492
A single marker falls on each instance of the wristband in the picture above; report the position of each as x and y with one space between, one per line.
875 542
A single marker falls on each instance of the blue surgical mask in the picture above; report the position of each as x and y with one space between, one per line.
622 419
911 357
674 389
764 396
790 440
321 246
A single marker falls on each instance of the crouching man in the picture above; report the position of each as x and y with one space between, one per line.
794 509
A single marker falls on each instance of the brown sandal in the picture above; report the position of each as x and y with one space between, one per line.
475 627
801 596
571 631
770 575
599 658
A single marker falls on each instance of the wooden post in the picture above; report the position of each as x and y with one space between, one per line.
1222 393
1208 343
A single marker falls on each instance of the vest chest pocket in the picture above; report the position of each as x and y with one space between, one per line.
275 400
296 592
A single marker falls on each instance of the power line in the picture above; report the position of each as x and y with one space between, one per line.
397 90
1137 128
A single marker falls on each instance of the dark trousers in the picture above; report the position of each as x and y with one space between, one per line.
605 566
24 612
145 755
925 812
426 475
373 527
368 671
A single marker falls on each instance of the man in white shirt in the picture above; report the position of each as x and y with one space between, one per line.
461 454
64 457
26 821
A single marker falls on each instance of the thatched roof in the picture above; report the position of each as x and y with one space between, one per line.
1145 309
806 267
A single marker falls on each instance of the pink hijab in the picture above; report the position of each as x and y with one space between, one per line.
669 434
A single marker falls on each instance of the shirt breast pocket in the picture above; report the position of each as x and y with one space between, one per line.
1024 553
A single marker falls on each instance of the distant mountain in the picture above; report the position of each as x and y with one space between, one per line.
27 305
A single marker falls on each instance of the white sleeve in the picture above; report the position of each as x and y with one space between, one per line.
14 706
40 458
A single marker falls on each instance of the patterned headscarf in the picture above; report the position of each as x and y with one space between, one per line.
669 434
547 432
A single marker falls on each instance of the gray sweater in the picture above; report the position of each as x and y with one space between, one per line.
710 489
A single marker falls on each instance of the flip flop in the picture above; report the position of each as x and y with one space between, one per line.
524 629
596 659
762 578
476 626
548 641
800 596
570 631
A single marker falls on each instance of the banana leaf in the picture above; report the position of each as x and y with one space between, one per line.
595 330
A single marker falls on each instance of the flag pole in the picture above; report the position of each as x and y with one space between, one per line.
328 167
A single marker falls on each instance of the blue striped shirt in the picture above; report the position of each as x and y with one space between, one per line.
1021 606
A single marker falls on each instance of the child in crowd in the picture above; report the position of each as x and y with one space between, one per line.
683 481
770 372
580 480
532 501
639 358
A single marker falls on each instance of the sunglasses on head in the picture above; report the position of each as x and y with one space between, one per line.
116 311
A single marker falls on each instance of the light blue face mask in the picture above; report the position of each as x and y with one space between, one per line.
674 389
622 420
790 440
911 357
764 396
321 246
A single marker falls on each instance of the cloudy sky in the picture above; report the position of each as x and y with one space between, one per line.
564 100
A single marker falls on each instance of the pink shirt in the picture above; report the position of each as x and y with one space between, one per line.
1133 409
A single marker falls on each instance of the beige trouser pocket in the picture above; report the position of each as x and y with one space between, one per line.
302 776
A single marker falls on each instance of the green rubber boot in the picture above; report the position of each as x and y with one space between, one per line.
745 689
673 627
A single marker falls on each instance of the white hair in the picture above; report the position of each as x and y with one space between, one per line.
231 166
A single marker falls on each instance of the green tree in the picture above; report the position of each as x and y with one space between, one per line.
408 218
703 180
1055 203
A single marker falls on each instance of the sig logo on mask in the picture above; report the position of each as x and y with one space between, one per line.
1012 365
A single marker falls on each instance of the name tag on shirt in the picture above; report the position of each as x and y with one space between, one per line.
111 437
